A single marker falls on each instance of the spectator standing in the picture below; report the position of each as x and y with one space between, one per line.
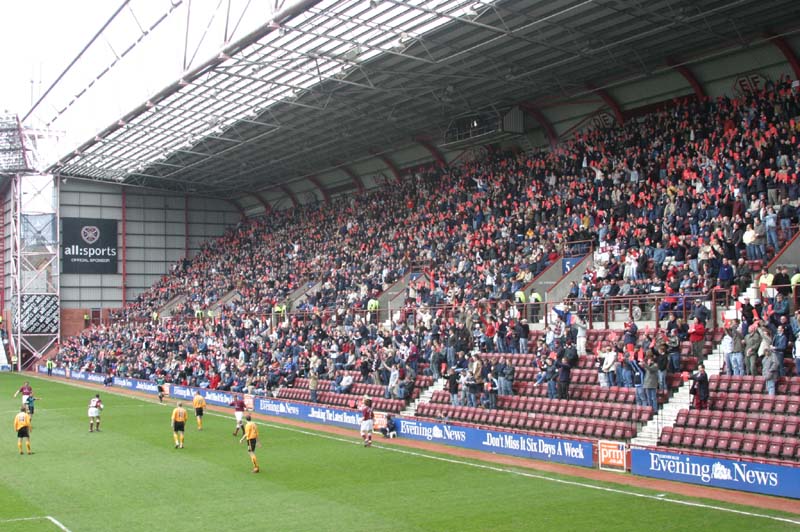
551 377
508 380
452 386
779 346
564 377
581 328
752 343
699 388
726 346
769 370
697 336
662 360
651 383
609 365
674 351
737 348
313 384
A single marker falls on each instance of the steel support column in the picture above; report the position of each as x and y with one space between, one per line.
324 191
124 246
390 164
428 145
292 196
689 76
781 44
610 102
548 128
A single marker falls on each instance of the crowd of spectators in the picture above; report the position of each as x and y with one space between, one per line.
677 202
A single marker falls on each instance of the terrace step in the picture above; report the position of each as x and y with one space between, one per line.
649 434
424 397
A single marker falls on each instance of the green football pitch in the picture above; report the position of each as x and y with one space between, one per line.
129 477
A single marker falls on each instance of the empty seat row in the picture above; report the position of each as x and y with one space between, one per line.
358 388
340 399
592 409
422 381
787 448
612 394
776 424
617 430
591 392
754 403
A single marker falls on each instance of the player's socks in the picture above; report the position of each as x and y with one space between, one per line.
19 446
181 439
28 446
97 427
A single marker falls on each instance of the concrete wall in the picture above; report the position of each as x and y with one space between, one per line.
160 229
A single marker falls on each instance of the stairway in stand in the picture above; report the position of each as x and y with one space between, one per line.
424 397
681 400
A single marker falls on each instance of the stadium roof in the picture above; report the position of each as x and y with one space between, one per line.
328 82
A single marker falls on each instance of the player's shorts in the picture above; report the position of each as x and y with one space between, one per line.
239 416
25 400
160 389
251 445
366 426
198 412
23 433
94 412
179 426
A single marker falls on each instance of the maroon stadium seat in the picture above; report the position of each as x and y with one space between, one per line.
735 443
688 437
723 441
790 427
666 434
788 448
710 442
762 445
748 443
774 447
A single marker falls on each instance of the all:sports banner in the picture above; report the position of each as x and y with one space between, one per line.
88 245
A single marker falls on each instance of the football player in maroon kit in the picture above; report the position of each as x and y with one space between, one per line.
367 421
26 392
238 410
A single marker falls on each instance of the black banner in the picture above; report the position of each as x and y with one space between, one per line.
88 245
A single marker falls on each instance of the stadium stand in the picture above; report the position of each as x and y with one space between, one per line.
669 200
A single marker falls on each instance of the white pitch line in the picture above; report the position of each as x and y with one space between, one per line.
57 523
18 519
50 518
487 467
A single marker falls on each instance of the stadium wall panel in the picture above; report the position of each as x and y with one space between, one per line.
158 230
